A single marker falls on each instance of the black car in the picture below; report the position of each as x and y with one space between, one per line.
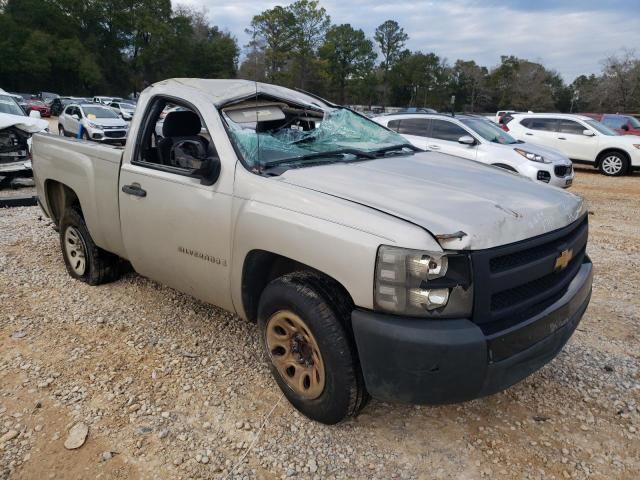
58 104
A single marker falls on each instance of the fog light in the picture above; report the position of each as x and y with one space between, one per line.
544 176
428 299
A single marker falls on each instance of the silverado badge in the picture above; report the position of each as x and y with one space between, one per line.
563 259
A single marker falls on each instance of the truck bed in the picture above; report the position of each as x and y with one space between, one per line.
91 170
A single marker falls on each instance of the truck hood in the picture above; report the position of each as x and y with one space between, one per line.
24 123
462 203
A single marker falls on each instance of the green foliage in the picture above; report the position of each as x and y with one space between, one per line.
107 46
349 56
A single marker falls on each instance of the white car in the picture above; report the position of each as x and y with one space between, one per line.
103 100
98 123
581 138
123 109
476 138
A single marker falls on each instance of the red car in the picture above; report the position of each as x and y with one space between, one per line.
40 106
623 124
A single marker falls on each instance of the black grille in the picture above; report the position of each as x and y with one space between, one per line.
562 171
115 134
517 281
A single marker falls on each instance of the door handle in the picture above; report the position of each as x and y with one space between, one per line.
562 138
433 147
530 134
134 189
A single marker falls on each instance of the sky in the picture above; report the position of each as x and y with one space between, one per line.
569 36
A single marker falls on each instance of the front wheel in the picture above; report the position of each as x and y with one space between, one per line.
311 357
85 135
613 164
61 131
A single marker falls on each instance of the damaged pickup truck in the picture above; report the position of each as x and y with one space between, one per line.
15 137
370 267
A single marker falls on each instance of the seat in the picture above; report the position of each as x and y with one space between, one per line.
181 145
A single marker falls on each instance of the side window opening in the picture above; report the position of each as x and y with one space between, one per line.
414 126
571 127
449 131
175 138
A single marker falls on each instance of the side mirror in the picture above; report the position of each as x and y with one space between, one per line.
625 127
35 114
209 172
588 133
75 116
467 140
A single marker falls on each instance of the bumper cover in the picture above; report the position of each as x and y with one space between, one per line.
445 361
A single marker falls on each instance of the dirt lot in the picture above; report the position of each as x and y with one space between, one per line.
172 388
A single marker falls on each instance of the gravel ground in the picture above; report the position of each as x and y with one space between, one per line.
172 388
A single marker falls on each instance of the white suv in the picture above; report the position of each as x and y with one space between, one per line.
93 122
581 138
477 138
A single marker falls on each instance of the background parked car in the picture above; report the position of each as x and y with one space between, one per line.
582 139
123 109
99 123
103 100
47 97
39 106
476 138
623 124
15 137
59 104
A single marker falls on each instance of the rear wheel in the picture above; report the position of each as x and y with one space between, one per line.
84 260
304 336
613 164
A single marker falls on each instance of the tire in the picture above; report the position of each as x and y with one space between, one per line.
61 131
85 261
613 164
303 322
85 135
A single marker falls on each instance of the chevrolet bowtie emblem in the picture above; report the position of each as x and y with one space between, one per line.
563 259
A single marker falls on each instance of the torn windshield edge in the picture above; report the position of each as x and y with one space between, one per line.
311 108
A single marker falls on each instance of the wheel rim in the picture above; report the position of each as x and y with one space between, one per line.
75 249
612 164
295 353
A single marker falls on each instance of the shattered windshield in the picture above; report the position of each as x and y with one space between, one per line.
294 136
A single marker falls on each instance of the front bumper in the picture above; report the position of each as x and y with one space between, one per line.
15 167
444 361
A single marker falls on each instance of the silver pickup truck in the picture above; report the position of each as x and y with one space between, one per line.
370 267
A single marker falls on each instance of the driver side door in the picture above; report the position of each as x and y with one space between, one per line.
177 230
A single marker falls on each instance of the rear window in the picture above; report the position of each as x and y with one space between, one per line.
615 121
545 124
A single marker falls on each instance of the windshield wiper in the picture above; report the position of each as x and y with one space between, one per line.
316 155
394 148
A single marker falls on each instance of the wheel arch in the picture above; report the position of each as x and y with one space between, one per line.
261 267
59 197
505 166
604 152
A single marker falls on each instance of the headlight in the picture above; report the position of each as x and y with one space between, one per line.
637 145
93 125
534 157
420 283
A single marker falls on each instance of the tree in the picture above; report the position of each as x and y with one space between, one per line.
621 81
391 39
273 32
470 84
311 24
349 55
